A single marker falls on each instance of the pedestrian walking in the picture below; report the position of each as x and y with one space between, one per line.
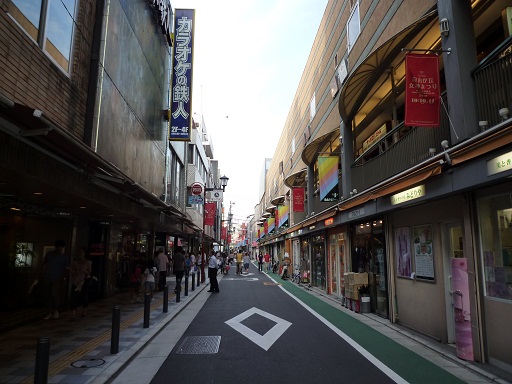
52 274
179 267
260 262
81 270
212 273
163 263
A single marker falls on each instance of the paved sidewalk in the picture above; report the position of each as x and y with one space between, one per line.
80 350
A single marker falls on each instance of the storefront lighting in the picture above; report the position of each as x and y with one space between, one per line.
15 209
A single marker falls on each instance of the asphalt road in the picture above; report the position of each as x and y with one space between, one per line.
255 332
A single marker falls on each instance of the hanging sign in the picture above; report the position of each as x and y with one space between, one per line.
422 95
298 199
209 213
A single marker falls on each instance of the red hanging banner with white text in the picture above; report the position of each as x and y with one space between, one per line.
209 213
298 199
422 94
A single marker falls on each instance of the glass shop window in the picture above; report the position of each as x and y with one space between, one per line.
495 216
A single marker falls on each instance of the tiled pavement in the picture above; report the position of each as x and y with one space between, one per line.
80 349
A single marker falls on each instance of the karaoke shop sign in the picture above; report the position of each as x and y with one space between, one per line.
422 95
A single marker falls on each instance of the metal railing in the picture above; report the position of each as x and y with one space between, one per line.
414 147
493 85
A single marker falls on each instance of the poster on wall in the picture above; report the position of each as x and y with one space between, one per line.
423 252
403 252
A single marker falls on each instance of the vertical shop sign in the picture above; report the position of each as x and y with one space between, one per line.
422 95
265 226
224 233
209 213
298 199
182 65
328 177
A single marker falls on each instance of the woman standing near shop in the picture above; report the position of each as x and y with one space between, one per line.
81 270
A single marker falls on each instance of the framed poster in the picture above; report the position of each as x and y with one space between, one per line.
403 252
423 252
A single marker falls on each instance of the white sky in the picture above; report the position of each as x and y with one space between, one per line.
249 56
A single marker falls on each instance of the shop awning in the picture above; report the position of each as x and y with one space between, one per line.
362 79
313 149
277 200
296 179
270 209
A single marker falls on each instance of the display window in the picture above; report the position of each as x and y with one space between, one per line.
318 262
495 216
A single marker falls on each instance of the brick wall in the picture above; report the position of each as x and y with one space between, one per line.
28 75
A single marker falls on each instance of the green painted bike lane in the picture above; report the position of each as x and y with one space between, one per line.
410 366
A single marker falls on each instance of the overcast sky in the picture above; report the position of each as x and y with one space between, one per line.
249 56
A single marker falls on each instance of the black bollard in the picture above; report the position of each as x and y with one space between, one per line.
198 277
116 326
193 281
186 284
42 360
166 298
178 290
147 307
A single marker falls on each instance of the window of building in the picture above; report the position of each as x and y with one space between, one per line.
353 27
312 107
191 153
50 24
495 216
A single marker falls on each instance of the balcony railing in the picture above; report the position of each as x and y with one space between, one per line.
414 147
493 84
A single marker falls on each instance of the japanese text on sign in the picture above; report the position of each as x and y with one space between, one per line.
408 195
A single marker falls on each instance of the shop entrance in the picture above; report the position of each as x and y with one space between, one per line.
368 254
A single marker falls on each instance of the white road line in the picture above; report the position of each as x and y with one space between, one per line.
372 359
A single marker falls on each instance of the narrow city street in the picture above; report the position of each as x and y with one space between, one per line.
258 330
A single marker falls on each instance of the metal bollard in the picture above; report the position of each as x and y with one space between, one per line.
147 307
198 277
116 326
186 284
193 281
42 360
178 290
166 298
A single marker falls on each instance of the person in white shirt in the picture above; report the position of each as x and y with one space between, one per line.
163 263
192 263
149 282
212 273
246 260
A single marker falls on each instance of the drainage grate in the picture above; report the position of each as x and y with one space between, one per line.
91 363
199 345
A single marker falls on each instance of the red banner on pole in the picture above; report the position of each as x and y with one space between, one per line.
209 213
422 94
276 215
298 199
265 226
224 233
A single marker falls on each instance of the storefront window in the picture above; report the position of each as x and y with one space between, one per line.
318 263
368 255
495 215
305 269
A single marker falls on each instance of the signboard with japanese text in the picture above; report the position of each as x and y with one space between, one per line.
298 199
209 213
422 93
182 65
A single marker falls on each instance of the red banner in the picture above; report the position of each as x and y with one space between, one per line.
298 199
276 215
422 94
265 226
209 213
224 233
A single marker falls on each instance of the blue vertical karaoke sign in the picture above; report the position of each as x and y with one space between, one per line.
182 66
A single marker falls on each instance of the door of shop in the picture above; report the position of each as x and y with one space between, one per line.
457 294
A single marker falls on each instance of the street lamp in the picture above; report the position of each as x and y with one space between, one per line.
223 183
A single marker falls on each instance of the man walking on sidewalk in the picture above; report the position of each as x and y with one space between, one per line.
212 273
179 267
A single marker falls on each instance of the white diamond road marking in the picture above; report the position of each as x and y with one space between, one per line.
264 341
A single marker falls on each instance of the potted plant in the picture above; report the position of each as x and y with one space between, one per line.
364 299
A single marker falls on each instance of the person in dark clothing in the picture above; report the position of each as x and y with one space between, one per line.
179 267
212 273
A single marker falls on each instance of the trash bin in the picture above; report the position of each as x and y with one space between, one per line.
365 306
